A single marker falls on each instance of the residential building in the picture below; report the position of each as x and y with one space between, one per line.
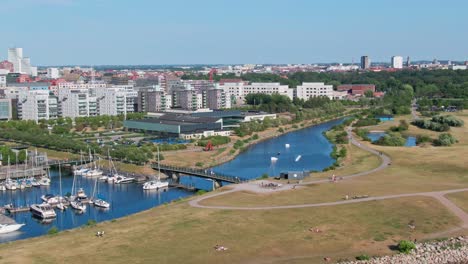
6 65
397 62
76 102
153 99
365 62
111 101
186 99
3 77
308 89
268 88
37 105
6 106
216 98
53 73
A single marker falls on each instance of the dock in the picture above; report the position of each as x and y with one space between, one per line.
5 220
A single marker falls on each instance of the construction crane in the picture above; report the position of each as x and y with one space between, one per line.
212 71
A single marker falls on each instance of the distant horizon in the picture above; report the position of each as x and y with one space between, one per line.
156 32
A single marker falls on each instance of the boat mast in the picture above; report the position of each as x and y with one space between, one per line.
159 166
60 181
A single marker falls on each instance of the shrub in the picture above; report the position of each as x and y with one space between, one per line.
362 132
363 257
199 164
281 130
423 139
448 119
264 176
405 246
215 141
255 137
428 124
402 127
445 139
367 122
391 139
52 231
200 192
91 222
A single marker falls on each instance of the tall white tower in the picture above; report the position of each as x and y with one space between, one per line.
397 62
15 56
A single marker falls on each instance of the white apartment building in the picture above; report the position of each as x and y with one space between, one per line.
37 105
53 73
397 62
235 90
315 89
111 101
3 75
269 88
76 103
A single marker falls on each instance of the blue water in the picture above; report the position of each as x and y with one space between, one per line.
125 199
171 141
410 141
314 148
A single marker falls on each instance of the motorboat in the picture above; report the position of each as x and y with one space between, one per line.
61 206
35 183
155 185
123 179
287 145
104 178
80 194
44 211
93 173
2 187
8 228
50 199
101 203
44 181
274 159
78 205
80 171
298 158
11 184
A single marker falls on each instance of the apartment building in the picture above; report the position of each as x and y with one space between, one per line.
37 105
153 99
314 89
75 102
112 101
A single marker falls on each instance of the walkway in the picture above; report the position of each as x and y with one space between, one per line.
254 187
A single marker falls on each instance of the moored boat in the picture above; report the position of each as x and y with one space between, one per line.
44 211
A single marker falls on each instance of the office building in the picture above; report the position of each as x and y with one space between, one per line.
397 62
269 88
308 90
365 62
15 55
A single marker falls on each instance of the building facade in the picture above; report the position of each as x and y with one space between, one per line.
397 62
308 90
365 62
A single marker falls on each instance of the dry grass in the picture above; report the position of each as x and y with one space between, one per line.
181 234
460 199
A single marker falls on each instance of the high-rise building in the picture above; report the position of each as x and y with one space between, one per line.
75 102
37 105
153 99
397 62
15 56
365 62
111 101
6 108
408 62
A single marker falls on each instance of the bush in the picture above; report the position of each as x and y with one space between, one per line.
391 139
448 119
199 164
402 127
255 137
363 257
445 139
405 246
281 130
423 139
91 222
264 176
428 124
215 141
367 122
200 192
54 230
362 132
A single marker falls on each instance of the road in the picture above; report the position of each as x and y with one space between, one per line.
386 161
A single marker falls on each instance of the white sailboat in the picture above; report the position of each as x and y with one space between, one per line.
9 183
98 202
60 205
75 198
114 176
95 172
80 171
156 184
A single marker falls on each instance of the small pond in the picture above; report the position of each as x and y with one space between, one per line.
374 136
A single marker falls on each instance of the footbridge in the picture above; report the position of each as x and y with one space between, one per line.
202 173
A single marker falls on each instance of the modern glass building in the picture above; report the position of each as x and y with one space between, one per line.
5 109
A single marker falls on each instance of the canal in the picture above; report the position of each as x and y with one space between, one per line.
308 150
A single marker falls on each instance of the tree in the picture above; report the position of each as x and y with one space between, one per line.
369 94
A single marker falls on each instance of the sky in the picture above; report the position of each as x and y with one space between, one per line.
124 32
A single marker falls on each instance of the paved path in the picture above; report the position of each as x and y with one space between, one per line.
255 187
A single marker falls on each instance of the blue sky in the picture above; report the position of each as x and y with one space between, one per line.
58 32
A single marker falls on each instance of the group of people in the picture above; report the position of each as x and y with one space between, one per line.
220 248
270 185
100 233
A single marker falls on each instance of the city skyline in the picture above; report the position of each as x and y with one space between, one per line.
72 32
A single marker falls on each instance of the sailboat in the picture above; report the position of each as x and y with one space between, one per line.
156 184
80 171
99 202
61 206
9 183
96 172
114 176
75 199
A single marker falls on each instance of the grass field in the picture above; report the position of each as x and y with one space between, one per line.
180 234
460 199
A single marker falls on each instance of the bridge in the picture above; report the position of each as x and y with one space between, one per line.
55 162
207 174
